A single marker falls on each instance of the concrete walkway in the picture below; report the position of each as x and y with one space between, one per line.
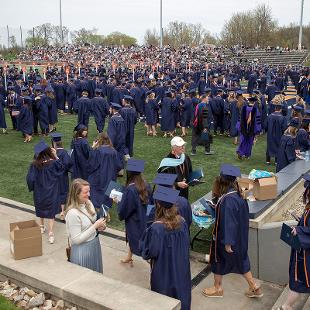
84 283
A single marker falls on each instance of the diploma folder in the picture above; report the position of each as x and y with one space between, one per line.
194 177
287 237
114 186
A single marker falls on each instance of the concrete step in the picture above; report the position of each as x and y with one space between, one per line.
299 305
307 305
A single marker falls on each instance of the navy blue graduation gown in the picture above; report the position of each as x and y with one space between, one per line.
2 113
42 110
168 251
80 156
275 126
25 120
286 152
60 95
227 116
133 212
186 112
100 110
103 167
150 109
44 183
168 107
64 178
117 134
129 115
234 118
231 228
83 107
71 95
185 210
52 110
302 140
299 269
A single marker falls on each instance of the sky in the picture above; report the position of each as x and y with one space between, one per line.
133 17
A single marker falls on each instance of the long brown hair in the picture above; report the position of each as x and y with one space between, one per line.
140 183
43 157
222 184
73 197
103 139
292 131
168 216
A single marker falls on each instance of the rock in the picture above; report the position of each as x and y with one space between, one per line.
18 298
14 286
35 308
15 293
48 304
60 304
26 298
31 293
7 287
36 301
22 304
7 293
23 290
73 308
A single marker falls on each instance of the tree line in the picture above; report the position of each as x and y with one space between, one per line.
250 28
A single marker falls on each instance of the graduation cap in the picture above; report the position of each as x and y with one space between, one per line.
307 112
27 98
306 120
167 179
220 90
116 106
127 97
40 147
230 171
80 127
297 108
24 88
168 93
98 90
135 165
294 123
207 89
256 91
37 88
192 91
49 89
166 196
239 92
56 136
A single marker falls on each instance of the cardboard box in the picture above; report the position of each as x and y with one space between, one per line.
246 186
25 239
265 188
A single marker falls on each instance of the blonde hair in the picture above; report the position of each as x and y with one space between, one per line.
277 100
73 197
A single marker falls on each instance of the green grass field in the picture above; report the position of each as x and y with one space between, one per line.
6 304
16 156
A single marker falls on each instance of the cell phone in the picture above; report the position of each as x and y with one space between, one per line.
294 215
103 212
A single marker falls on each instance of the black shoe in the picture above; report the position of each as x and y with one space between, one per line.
209 153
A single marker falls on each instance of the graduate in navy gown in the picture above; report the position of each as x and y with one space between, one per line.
133 206
66 160
287 148
52 108
186 111
229 246
166 243
42 113
71 95
151 113
117 131
129 115
3 125
43 180
80 153
275 126
100 109
25 119
299 267
83 108
235 111
248 129
104 166
168 108
302 138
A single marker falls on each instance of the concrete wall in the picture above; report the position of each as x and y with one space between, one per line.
269 255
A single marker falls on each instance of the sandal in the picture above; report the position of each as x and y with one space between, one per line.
42 228
127 261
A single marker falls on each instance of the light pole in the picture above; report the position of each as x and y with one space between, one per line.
300 26
161 24
60 24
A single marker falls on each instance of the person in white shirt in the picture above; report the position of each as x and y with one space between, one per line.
82 227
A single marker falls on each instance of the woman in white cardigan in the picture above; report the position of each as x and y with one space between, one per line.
82 227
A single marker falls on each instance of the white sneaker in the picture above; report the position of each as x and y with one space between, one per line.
127 157
42 228
51 238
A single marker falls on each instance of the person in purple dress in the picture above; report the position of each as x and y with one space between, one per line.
248 129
